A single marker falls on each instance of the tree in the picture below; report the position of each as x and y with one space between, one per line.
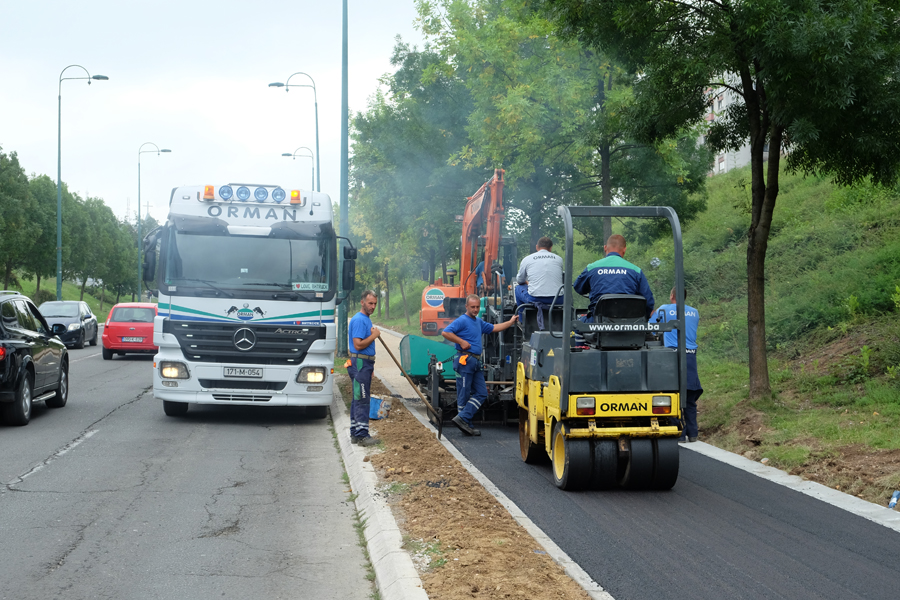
41 260
16 217
549 111
816 80
405 193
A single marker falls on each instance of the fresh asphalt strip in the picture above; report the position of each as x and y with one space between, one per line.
730 528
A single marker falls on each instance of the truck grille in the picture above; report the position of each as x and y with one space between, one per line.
230 384
214 342
241 398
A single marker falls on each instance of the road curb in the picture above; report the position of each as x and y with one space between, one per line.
395 575
572 569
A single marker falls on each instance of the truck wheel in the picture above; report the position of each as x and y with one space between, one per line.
639 471
18 412
316 412
571 460
531 452
62 390
665 468
604 471
175 409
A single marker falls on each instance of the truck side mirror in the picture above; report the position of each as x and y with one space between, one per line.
149 268
349 254
348 275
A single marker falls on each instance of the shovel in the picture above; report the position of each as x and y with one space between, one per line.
437 412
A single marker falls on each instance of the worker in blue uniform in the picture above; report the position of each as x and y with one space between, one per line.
466 332
613 275
669 312
360 367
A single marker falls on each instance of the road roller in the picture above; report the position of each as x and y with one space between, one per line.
601 395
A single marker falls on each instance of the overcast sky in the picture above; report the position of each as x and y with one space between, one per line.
191 76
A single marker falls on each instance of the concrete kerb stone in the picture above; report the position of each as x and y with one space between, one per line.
395 575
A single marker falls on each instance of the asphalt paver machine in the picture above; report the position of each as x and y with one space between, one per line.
604 398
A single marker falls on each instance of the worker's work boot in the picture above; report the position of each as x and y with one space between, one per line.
465 427
692 439
366 442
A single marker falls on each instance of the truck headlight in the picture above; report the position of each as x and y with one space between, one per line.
585 406
662 405
311 375
74 326
173 370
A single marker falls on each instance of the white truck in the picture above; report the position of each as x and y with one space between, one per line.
247 279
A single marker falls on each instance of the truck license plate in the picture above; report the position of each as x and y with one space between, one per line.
243 372
132 339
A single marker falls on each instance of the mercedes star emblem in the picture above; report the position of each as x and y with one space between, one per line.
244 339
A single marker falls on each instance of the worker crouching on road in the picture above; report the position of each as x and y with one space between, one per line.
466 332
668 312
362 363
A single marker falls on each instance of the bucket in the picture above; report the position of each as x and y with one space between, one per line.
379 408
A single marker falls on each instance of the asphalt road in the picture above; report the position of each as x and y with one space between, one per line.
720 533
109 498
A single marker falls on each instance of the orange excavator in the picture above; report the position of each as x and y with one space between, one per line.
483 216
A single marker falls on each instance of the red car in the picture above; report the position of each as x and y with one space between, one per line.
129 329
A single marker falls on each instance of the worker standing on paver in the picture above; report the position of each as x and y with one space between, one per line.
361 365
466 332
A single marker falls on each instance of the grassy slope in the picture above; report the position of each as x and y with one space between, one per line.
832 267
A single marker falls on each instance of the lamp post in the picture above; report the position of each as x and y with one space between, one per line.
342 341
310 156
141 245
89 77
287 85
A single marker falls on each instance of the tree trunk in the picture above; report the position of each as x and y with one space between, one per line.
431 268
7 274
443 258
83 284
403 296
387 294
118 294
102 292
535 218
378 293
37 288
764 191
605 156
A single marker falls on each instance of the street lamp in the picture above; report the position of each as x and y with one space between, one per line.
310 156
59 173
287 85
139 241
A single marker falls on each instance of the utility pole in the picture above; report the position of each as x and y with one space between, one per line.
345 156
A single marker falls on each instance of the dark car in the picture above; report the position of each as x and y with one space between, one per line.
34 363
80 322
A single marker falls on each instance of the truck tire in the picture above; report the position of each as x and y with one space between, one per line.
531 452
665 467
604 470
316 412
639 471
175 409
571 460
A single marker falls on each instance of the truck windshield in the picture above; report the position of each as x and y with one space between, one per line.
248 264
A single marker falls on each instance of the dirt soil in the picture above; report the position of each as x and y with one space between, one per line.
463 542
